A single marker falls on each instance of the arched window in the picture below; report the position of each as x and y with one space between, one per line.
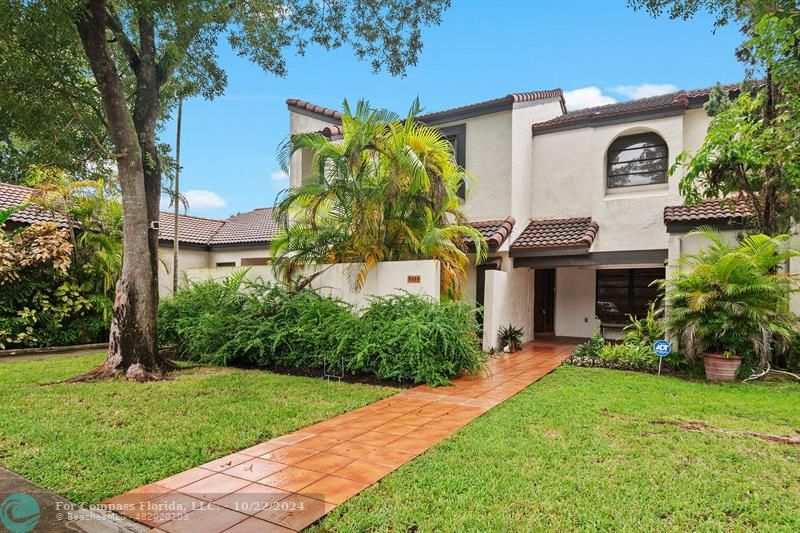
639 159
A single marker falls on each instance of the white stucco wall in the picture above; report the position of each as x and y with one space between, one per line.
188 258
390 277
508 300
569 180
488 159
575 302
300 165
224 255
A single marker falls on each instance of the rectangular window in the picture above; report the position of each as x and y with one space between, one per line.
457 136
255 261
625 291
227 264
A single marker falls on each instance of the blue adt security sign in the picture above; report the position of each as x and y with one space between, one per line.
662 348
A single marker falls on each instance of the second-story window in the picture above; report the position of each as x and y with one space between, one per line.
639 159
457 136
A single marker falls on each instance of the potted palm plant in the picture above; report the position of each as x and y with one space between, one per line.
731 301
511 337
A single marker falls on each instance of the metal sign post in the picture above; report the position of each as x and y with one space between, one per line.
662 348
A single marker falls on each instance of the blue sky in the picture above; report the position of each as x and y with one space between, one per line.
596 50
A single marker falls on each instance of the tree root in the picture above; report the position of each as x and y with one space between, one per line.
767 371
697 426
112 368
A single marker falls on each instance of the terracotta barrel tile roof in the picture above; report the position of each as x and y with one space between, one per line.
665 102
494 231
707 211
257 225
16 195
313 108
557 233
191 229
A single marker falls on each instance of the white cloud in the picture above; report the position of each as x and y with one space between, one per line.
204 200
586 97
643 90
279 175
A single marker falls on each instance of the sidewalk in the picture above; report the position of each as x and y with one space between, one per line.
288 483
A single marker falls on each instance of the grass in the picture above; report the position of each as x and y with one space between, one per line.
583 449
89 441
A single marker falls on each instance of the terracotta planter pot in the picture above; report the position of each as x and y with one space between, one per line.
721 368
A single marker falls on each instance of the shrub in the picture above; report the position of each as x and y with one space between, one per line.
412 338
405 338
590 348
646 331
511 336
734 299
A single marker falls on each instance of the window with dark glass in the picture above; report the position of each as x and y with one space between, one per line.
639 159
625 291
457 136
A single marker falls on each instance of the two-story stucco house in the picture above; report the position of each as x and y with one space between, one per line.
578 207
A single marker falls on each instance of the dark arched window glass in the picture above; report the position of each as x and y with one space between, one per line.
639 159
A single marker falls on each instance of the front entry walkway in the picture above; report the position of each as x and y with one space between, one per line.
288 483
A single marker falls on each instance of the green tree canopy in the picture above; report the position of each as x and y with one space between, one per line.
387 191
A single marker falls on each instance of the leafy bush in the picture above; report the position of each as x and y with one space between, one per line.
590 348
405 338
734 299
646 331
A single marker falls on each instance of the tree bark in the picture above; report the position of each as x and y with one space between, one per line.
133 343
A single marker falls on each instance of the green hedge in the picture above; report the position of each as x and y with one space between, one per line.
404 338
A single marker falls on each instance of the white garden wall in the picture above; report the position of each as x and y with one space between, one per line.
508 300
391 277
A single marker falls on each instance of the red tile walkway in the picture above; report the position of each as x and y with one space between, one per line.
288 483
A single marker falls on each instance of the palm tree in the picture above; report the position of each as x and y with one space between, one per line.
387 191
733 299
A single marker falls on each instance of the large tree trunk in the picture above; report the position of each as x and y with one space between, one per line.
133 343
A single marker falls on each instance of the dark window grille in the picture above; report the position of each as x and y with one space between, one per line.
625 291
640 159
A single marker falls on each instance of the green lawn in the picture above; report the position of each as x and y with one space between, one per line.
582 450
89 441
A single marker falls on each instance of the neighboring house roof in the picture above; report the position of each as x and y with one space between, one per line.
438 117
676 101
191 229
17 195
715 212
494 231
557 234
254 226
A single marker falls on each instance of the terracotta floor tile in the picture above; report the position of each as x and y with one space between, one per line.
319 443
325 462
211 519
414 419
184 478
290 455
366 423
163 509
364 472
252 499
344 433
334 489
256 525
351 449
374 438
292 478
142 494
296 512
255 469
395 428
224 463
214 487
411 445
388 457
446 425
265 447
293 438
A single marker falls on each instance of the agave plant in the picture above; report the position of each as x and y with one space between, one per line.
387 191
733 299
